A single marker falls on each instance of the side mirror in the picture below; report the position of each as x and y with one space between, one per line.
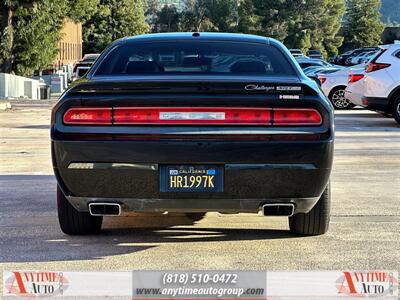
315 78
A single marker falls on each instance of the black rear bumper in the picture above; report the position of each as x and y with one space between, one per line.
376 103
256 172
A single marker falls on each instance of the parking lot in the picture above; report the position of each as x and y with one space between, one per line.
364 232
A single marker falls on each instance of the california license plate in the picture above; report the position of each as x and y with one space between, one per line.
192 178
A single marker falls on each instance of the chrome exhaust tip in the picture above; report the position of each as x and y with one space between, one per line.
104 209
278 209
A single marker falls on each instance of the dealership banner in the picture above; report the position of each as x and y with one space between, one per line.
154 285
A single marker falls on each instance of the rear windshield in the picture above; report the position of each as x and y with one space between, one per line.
197 58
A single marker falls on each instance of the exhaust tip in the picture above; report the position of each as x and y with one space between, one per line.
278 209
104 209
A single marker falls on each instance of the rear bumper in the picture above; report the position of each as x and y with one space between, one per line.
301 205
376 103
256 173
354 97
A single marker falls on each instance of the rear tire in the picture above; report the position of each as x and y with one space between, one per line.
396 110
316 221
73 222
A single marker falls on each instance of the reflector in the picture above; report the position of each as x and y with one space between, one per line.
355 77
89 116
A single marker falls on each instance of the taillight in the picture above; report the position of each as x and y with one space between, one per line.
193 116
89 116
298 116
322 79
196 116
373 66
355 77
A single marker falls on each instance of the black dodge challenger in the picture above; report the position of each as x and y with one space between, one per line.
192 123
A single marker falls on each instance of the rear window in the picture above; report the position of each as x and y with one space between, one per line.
197 58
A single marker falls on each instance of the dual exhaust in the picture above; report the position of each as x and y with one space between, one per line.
114 209
278 209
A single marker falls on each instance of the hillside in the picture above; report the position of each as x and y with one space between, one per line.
390 11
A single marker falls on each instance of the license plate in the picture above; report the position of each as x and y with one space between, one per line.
192 178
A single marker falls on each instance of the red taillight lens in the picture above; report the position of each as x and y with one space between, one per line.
372 67
322 79
298 116
195 116
89 116
355 77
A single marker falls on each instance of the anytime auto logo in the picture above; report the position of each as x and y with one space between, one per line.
367 284
36 284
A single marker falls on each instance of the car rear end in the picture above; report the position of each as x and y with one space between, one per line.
225 136
355 88
382 77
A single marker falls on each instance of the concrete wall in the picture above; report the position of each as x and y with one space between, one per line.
12 86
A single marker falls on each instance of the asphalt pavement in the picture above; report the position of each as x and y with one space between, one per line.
364 232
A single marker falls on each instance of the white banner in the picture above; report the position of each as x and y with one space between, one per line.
256 285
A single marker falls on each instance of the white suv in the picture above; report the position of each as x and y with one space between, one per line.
380 87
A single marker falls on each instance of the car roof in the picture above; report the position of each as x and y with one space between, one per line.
209 36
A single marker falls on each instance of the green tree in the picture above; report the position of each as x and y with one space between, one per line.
222 14
30 31
194 16
167 19
113 19
362 26
248 20
300 24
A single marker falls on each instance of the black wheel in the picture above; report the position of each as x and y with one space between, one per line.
338 99
396 110
195 216
73 222
316 221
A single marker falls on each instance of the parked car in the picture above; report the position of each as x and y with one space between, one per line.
334 85
363 57
343 58
297 53
315 54
81 71
90 58
84 64
380 88
309 62
191 135
316 70
354 91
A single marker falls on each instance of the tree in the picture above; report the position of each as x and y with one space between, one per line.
222 14
30 31
7 8
248 20
300 24
167 19
316 26
113 19
194 16
150 11
362 26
